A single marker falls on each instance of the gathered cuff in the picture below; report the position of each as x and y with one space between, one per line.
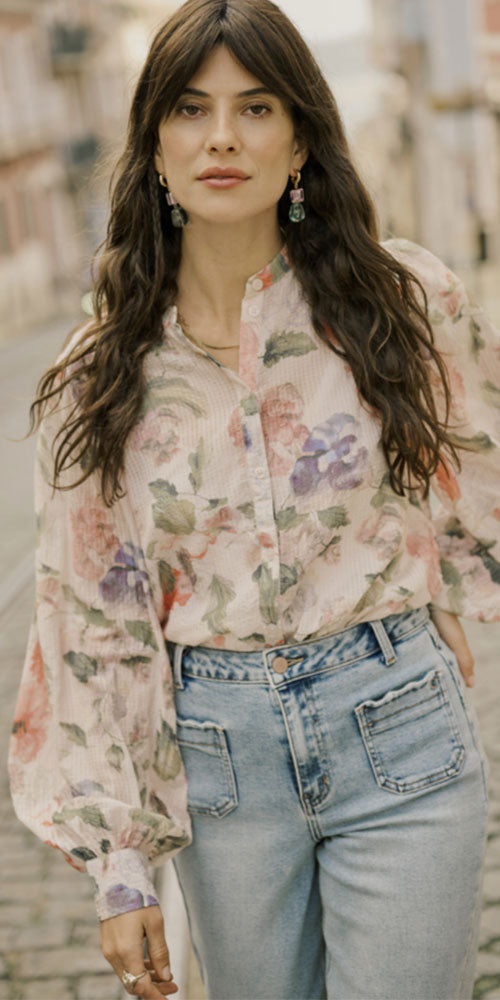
122 883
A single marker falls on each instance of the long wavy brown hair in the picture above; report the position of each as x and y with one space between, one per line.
364 303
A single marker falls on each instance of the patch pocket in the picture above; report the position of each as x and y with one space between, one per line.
209 769
411 735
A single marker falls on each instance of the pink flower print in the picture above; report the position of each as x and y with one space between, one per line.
332 457
447 481
180 594
421 544
47 590
284 434
32 714
235 431
93 541
222 520
451 296
249 350
383 532
156 434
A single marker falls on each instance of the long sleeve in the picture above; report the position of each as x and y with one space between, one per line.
94 763
466 512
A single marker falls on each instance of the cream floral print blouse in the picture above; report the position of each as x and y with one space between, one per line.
257 512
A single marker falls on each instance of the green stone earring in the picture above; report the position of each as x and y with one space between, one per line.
296 212
178 214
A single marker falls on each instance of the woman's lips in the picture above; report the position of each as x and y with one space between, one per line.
222 182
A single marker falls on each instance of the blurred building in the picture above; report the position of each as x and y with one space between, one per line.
445 166
67 69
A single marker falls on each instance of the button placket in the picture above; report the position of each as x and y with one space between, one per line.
262 488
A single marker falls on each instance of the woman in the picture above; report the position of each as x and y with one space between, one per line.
233 662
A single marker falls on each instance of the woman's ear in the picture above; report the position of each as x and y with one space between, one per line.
158 160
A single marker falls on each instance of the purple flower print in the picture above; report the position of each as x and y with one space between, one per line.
331 456
125 581
121 899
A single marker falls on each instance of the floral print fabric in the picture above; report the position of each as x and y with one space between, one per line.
257 511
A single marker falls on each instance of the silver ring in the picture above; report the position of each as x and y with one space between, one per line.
129 980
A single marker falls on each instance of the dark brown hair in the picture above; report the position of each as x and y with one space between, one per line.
354 287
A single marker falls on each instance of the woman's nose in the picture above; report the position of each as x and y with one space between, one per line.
221 133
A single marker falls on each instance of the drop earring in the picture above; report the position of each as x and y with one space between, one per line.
178 214
296 212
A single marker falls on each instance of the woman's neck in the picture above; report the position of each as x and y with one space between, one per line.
216 262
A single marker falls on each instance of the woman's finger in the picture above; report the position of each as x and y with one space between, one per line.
452 633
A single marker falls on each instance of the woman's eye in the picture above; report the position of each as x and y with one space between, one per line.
262 108
187 109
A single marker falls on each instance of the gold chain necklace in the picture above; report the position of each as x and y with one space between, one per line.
201 343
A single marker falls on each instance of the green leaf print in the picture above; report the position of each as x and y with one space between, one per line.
167 578
83 666
74 733
91 815
114 756
334 517
491 393
371 596
161 487
167 759
174 516
93 616
216 502
145 817
196 460
221 593
287 344
478 442
134 662
436 317
288 577
288 518
84 853
172 392
143 632
267 594
249 406
377 582
247 509
482 549
385 494
452 578
477 342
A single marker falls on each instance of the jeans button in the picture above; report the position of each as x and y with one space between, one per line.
280 664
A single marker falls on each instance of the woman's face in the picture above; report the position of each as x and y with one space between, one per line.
217 123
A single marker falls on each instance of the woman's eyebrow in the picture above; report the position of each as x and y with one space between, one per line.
243 93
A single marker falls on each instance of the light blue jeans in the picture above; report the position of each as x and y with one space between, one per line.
338 792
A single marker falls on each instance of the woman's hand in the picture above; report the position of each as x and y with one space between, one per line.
121 944
453 635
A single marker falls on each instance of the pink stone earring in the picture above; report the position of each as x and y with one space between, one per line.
178 214
296 211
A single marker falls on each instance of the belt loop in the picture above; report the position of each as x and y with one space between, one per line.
384 642
177 664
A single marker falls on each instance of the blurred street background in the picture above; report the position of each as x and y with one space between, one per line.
418 84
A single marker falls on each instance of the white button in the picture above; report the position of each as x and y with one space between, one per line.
257 283
260 471
254 310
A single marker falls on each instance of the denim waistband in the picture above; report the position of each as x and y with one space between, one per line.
296 659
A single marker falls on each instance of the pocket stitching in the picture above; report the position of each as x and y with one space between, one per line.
219 749
436 777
